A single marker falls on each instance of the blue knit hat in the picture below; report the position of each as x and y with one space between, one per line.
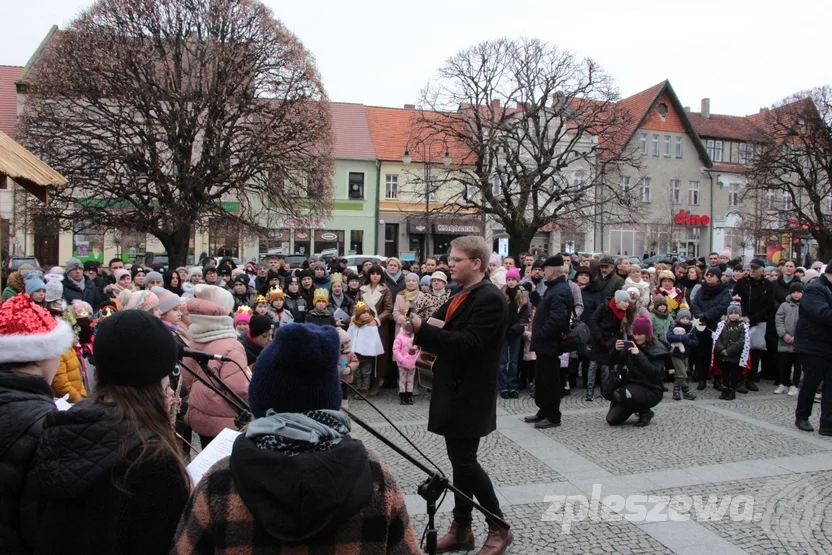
425 280
297 371
34 283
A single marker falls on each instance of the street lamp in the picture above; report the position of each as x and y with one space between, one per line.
425 148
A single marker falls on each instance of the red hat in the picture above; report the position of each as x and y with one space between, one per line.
28 333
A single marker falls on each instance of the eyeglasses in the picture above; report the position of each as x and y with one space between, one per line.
457 259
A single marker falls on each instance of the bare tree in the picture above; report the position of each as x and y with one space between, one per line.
536 135
158 112
793 163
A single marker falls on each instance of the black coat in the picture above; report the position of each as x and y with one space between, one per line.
609 285
551 320
757 299
593 298
646 369
605 328
781 290
25 400
710 304
78 509
297 306
464 398
91 294
814 321
252 351
518 317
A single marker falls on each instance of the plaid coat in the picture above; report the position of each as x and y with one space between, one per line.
216 521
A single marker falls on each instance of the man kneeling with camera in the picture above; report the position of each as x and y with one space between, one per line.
639 386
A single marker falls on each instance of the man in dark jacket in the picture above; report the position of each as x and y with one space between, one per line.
813 346
608 281
757 300
463 405
551 321
709 305
27 332
77 286
592 299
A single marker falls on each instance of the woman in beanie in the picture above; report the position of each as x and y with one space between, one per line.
212 329
640 386
109 469
610 323
124 282
296 481
256 337
31 343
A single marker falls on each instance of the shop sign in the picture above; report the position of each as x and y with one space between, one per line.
301 235
329 236
686 218
457 229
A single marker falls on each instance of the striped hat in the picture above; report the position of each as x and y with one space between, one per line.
142 300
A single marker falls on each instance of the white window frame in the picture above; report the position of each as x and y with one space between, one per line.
678 147
675 191
496 188
829 203
624 186
717 151
769 199
693 193
644 143
787 200
742 157
655 144
645 190
733 195
667 146
391 186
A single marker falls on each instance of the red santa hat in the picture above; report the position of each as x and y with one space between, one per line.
28 333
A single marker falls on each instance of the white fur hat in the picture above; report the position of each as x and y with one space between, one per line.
216 295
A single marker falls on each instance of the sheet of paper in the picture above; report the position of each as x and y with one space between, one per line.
63 403
341 315
216 450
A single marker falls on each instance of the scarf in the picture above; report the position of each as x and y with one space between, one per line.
618 313
395 277
205 329
293 433
511 293
337 300
408 298
79 284
786 278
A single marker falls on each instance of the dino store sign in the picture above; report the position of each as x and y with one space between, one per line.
686 218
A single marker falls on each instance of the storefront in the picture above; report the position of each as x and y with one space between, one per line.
446 230
88 243
328 239
276 241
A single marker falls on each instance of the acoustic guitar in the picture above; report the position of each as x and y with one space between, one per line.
426 359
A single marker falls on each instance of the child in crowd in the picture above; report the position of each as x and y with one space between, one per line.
405 353
667 289
366 344
35 288
277 308
241 319
660 316
635 280
518 317
526 368
261 305
732 347
348 364
683 341
320 315
786 323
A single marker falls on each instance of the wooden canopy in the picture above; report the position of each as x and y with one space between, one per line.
26 169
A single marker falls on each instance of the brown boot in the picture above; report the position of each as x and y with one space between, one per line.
459 538
741 387
373 388
497 541
750 385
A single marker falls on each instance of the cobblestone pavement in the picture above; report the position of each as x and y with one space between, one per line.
714 477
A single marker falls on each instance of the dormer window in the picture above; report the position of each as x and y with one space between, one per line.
662 110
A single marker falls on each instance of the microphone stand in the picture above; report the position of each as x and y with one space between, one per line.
229 396
431 489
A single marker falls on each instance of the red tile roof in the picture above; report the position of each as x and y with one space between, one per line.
637 105
8 98
395 130
720 126
351 132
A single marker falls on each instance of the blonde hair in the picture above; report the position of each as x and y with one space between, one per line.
393 259
475 248
635 268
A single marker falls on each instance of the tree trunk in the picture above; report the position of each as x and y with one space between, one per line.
824 240
176 246
520 239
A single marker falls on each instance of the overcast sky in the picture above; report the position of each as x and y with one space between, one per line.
742 54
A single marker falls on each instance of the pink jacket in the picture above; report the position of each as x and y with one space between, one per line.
401 351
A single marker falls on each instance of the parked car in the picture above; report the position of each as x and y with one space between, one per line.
656 258
157 261
295 260
634 260
355 261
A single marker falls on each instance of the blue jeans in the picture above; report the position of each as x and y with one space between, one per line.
509 357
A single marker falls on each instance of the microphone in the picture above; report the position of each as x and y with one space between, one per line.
200 356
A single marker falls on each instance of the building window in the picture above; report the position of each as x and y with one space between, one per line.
357 241
741 153
432 194
667 146
579 178
769 199
625 184
787 201
678 147
496 189
356 185
693 197
644 193
655 145
391 186
714 149
4 182
644 143
734 195
675 191
829 204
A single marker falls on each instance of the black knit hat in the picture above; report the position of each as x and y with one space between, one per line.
259 324
796 285
297 371
556 260
135 270
304 273
272 275
242 279
207 269
133 348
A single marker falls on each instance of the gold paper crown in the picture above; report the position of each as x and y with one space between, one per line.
105 312
243 309
321 295
260 299
275 293
336 277
360 308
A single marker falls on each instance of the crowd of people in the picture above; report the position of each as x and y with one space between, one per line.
287 342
